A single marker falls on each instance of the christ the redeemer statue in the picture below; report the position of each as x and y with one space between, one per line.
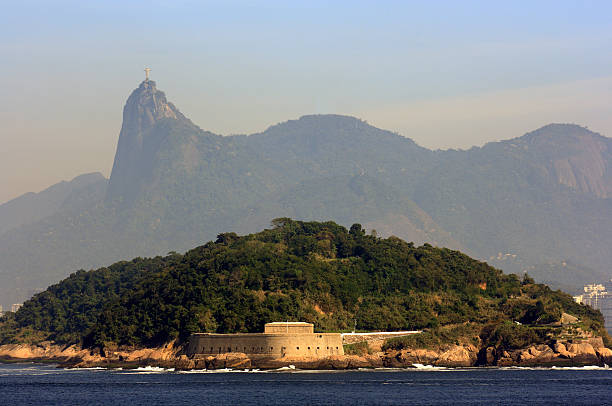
147 70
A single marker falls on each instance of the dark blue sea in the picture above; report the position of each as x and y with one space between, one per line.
29 384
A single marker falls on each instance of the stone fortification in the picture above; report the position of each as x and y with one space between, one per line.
279 340
289 327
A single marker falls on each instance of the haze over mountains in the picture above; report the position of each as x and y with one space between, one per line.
541 202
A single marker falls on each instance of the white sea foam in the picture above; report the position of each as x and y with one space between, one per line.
293 369
555 368
584 368
85 369
149 370
288 368
217 371
195 371
422 367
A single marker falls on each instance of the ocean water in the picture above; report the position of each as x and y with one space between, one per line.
30 384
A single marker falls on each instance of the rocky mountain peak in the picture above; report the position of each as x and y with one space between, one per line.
576 157
140 137
145 106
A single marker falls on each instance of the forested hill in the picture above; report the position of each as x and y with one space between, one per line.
318 272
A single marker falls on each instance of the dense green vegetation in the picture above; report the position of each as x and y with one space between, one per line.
309 271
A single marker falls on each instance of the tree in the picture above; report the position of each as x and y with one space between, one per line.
356 230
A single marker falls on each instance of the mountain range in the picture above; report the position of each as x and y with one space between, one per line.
540 203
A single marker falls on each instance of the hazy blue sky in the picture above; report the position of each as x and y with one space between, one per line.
449 74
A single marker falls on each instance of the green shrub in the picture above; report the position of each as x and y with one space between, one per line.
360 348
509 335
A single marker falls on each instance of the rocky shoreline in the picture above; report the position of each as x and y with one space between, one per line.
572 353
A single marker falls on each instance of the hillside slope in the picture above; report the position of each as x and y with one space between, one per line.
543 197
316 272
31 207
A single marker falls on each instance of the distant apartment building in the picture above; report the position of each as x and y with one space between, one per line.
16 306
599 297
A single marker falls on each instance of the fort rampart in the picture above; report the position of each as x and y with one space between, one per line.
279 340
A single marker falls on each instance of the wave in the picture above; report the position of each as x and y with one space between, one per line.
217 371
555 368
85 369
292 369
287 368
147 370
422 367
586 367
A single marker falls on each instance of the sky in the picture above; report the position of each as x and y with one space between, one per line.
448 74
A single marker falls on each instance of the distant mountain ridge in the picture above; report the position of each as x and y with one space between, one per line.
31 207
580 161
544 196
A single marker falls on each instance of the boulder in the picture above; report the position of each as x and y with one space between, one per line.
568 319
596 342
490 356
228 360
605 354
533 351
561 350
525 355
457 356
582 348
366 361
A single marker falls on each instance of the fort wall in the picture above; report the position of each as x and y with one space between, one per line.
279 339
289 327
316 345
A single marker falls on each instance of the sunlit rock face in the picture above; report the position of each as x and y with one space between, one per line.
574 157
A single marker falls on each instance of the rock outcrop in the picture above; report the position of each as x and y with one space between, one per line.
590 351
456 356
141 134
